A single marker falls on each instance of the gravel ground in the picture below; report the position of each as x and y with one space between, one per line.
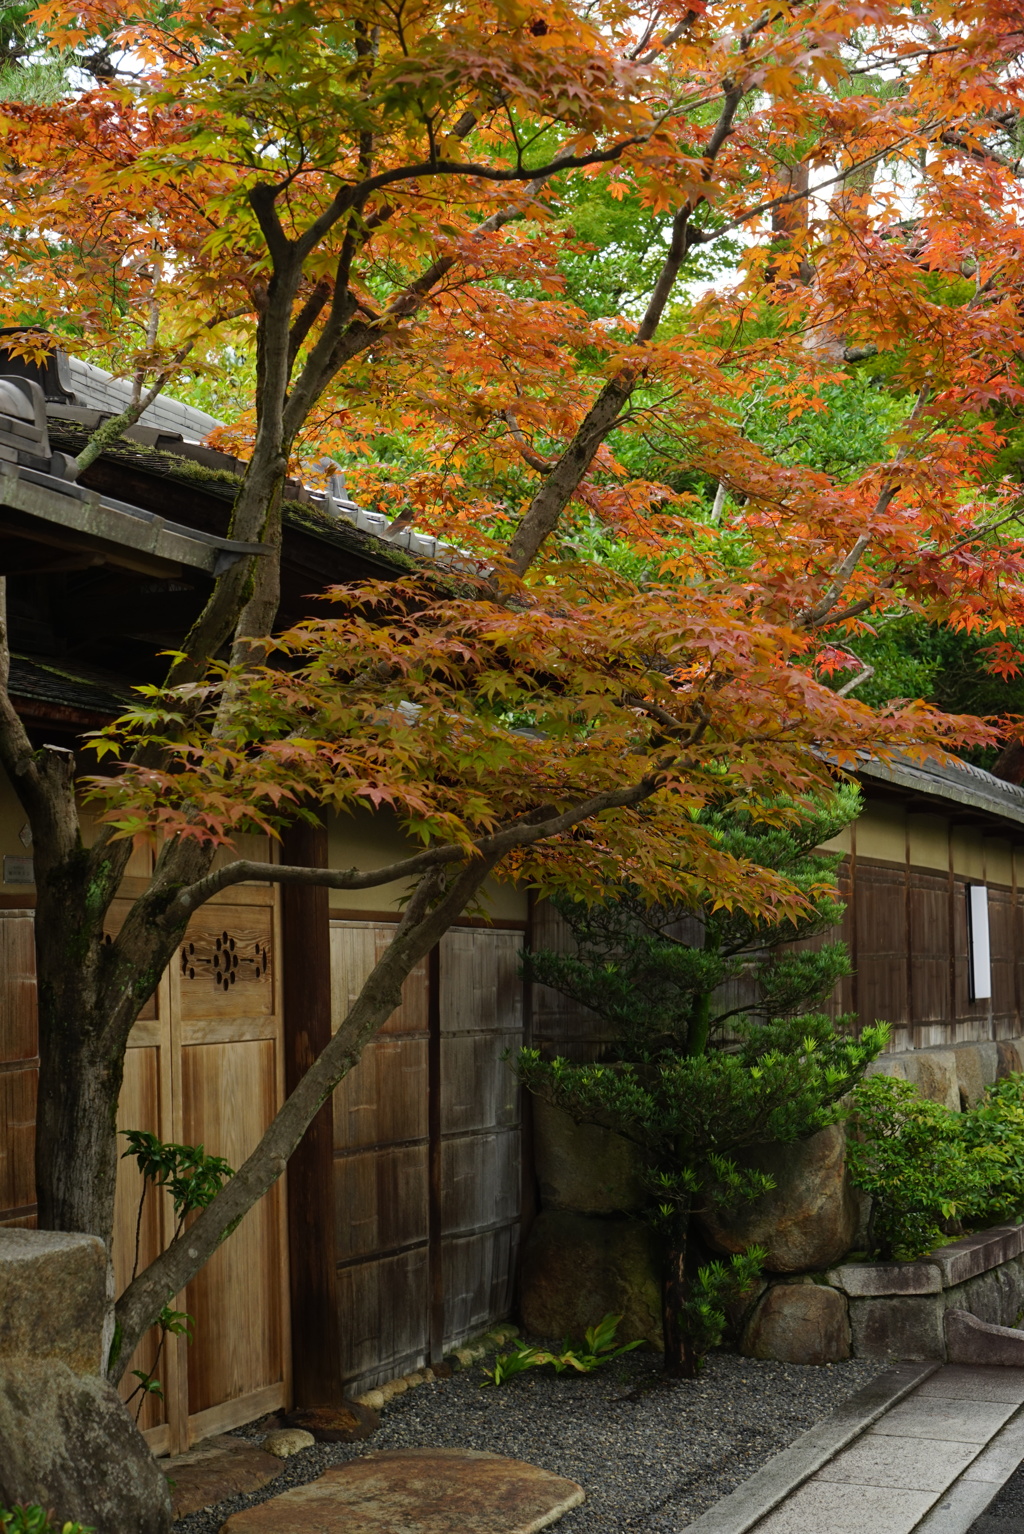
652 1455
1007 1511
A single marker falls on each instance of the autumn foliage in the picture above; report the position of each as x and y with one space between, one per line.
646 611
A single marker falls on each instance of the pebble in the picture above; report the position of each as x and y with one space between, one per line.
287 1441
652 1454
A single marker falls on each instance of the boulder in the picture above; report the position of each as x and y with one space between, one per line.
577 1268
66 1439
931 1071
976 1067
216 1477
67 1442
287 1441
808 1220
53 1299
802 1323
583 1167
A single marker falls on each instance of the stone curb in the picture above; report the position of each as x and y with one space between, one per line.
761 1494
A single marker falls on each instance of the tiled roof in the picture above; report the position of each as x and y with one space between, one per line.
955 781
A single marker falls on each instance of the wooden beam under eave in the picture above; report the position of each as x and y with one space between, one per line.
312 1259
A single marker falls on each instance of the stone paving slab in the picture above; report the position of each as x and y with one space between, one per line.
827 1507
956 1511
1000 1459
976 1382
917 1464
959 1420
929 1464
766 1489
417 1491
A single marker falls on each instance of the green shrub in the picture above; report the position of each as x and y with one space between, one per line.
997 1125
929 1170
20 1519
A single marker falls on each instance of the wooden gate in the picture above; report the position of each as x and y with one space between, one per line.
427 1152
204 1066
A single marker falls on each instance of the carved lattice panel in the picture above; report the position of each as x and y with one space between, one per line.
226 963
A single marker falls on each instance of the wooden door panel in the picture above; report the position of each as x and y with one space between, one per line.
480 986
479 1273
355 949
229 1095
479 1089
381 1200
479 1181
18 1146
383 1312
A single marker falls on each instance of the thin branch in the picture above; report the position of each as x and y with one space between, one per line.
537 826
812 616
862 676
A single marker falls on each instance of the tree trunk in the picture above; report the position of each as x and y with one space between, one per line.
76 1120
680 1355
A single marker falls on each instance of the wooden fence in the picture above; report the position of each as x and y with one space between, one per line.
426 1154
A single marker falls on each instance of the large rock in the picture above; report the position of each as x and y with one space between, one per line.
67 1442
417 1491
799 1324
205 1482
583 1167
809 1220
931 1071
53 1298
977 1065
577 1269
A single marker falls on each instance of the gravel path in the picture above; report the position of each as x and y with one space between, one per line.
652 1455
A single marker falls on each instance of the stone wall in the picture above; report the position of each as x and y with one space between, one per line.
890 1310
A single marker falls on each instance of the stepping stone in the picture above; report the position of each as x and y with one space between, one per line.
215 1477
417 1491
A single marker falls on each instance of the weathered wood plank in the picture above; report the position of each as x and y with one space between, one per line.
229 1094
381 1200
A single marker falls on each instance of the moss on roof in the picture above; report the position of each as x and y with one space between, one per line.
223 484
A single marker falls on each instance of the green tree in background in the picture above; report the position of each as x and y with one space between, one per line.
713 1051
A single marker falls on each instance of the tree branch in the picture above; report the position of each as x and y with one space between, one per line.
537 826
812 616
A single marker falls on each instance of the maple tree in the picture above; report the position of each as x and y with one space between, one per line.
366 200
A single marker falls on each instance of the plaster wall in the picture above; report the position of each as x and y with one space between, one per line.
366 841
881 832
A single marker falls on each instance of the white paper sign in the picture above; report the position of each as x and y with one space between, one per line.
979 952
